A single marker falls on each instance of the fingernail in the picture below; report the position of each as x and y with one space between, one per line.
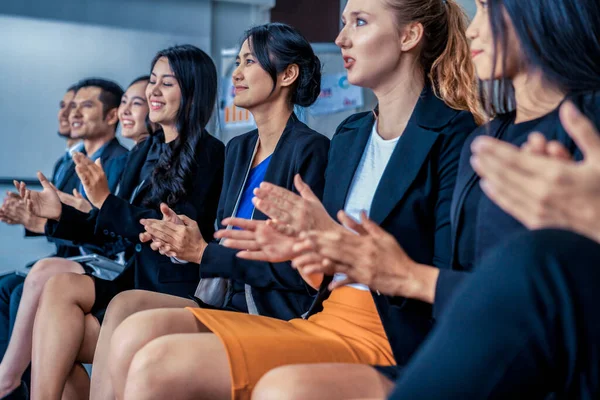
474 162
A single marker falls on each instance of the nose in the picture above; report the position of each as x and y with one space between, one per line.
472 32
127 109
75 112
237 74
341 40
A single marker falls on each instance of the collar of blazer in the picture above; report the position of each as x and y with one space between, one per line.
430 117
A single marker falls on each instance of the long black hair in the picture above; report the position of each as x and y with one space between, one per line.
196 75
561 38
277 46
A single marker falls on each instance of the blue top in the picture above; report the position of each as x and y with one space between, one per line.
255 177
245 210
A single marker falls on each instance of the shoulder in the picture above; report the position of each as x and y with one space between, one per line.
242 141
303 135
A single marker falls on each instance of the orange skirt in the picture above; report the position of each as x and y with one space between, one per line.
348 330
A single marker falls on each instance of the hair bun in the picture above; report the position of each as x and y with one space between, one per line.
309 83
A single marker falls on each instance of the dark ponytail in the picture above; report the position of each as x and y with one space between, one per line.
277 46
196 75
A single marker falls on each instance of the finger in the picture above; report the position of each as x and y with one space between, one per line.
556 149
272 211
246 224
304 246
160 232
156 245
350 223
16 184
77 194
145 237
370 226
253 255
99 163
22 190
536 143
242 244
187 221
304 189
339 283
284 229
168 213
303 260
502 155
278 196
580 129
234 234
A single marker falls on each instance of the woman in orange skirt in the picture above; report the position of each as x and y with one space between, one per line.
399 163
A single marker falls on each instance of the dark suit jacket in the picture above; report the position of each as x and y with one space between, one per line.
278 290
412 201
506 225
70 181
118 221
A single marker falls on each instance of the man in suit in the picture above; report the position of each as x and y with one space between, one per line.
88 118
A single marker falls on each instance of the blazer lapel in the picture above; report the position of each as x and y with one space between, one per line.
343 161
429 117
131 173
70 171
242 164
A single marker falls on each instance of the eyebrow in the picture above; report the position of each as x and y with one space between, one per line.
138 97
245 55
165 76
356 13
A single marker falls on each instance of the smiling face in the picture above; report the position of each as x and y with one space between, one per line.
64 128
163 94
370 42
87 115
133 111
253 85
482 46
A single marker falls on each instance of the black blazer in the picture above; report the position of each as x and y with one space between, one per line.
412 201
278 290
118 220
552 129
114 149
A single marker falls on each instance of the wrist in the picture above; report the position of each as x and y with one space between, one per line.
101 199
200 252
422 282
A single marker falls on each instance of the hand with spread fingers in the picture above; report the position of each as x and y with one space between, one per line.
538 144
542 191
174 236
373 257
258 240
45 204
302 212
93 178
14 212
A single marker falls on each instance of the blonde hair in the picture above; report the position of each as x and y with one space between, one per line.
445 53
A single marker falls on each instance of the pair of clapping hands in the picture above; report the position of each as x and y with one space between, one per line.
32 208
46 204
539 184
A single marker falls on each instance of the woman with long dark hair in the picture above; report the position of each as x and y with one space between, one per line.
478 349
181 165
276 70
399 162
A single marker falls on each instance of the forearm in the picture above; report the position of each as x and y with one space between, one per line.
421 285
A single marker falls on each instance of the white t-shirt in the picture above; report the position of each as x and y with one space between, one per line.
375 158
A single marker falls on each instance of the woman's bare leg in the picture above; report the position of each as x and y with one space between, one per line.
62 332
18 353
122 306
181 366
140 329
78 384
322 382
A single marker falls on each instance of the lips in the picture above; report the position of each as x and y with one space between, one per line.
76 124
239 89
475 53
156 105
348 62
127 123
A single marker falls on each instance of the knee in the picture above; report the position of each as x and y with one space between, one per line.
41 272
122 306
58 286
283 383
125 341
147 377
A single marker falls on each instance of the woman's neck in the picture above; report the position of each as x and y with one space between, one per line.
397 100
271 120
170 132
141 138
534 96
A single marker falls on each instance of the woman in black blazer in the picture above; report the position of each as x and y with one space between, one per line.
181 165
399 162
280 148
470 356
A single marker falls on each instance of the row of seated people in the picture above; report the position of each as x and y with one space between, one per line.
395 260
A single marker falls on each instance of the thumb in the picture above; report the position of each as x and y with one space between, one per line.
44 181
580 129
98 162
168 214
77 194
304 189
186 220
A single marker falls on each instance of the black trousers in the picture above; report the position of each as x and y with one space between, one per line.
525 325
